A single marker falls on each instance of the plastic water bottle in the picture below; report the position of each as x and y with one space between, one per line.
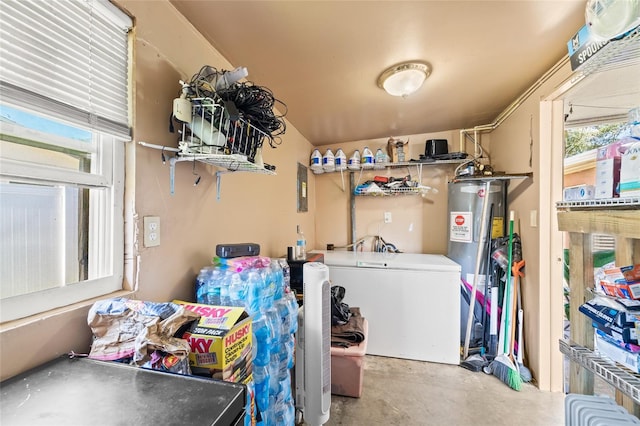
255 292
237 290
328 161
225 299
367 158
273 322
290 344
340 160
380 159
292 304
201 284
213 287
262 338
354 161
301 245
316 161
261 380
278 279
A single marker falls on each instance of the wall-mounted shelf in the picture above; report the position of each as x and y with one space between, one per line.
616 54
418 190
620 378
229 163
511 176
398 165
606 203
403 190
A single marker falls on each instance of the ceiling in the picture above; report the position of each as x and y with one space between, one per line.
322 58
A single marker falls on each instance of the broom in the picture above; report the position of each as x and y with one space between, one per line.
502 366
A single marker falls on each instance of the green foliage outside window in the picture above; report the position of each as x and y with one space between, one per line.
582 139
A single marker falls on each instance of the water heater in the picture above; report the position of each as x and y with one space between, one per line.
313 347
464 222
464 226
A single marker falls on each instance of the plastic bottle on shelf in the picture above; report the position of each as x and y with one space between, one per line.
301 245
380 160
316 162
367 158
340 160
354 161
328 161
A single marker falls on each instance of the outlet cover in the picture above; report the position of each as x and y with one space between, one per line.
151 231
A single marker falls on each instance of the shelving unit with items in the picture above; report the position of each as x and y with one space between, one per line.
223 123
580 222
606 81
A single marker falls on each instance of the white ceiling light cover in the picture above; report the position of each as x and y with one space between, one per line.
404 79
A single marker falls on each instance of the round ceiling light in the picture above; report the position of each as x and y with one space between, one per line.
404 79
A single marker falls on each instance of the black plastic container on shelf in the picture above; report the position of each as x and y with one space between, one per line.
435 147
229 251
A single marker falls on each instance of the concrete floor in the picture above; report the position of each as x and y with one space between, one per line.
403 392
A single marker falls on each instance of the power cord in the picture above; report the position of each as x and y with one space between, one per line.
244 100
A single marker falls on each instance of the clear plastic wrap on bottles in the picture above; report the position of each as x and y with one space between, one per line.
262 287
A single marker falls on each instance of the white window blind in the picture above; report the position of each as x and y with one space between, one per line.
69 56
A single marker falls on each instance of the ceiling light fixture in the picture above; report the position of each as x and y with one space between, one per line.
404 79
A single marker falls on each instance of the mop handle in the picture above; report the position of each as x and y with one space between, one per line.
508 284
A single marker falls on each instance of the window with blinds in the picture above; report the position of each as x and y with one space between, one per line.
64 119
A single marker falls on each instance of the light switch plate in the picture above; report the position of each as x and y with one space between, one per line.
151 231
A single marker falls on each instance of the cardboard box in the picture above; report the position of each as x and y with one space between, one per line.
607 178
631 273
616 353
626 290
579 192
398 150
630 171
220 341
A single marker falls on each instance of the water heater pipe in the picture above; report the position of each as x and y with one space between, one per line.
511 108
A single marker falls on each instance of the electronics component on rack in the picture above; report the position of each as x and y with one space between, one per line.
229 77
182 105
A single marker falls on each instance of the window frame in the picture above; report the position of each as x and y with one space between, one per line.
106 226
52 37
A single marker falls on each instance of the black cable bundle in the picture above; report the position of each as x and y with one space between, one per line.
253 103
